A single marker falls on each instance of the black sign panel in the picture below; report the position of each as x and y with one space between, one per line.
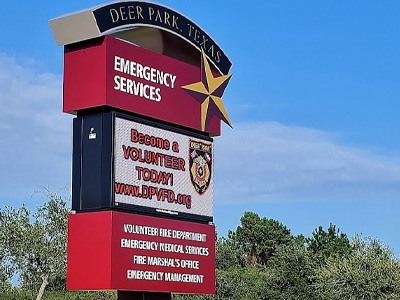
119 163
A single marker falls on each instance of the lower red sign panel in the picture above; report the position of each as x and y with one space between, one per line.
121 251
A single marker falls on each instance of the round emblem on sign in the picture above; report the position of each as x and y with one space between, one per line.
200 165
200 171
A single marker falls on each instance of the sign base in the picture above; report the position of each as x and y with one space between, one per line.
123 295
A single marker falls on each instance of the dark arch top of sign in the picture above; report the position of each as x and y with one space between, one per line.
126 14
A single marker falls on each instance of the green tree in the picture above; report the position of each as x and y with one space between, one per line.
369 272
259 238
247 283
228 254
324 244
293 269
5 275
36 244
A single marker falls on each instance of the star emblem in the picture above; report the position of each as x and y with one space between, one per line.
209 92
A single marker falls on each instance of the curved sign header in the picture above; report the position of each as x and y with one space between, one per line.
128 15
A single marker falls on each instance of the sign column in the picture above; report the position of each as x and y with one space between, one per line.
148 105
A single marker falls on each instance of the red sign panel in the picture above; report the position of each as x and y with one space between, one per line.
113 73
119 251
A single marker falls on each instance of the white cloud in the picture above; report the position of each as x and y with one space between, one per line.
35 134
272 162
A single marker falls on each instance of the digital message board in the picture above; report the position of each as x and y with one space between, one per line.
122 251
125 162
157 168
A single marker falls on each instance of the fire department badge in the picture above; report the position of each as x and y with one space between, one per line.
200 165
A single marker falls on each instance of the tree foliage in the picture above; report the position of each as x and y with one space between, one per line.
324 244
293 269
251 282
370 272
260 260
35 244
24 294
246 283
228 254
259 238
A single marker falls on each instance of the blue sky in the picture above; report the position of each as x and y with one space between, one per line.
314 103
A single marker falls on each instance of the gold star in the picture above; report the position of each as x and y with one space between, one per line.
209 93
